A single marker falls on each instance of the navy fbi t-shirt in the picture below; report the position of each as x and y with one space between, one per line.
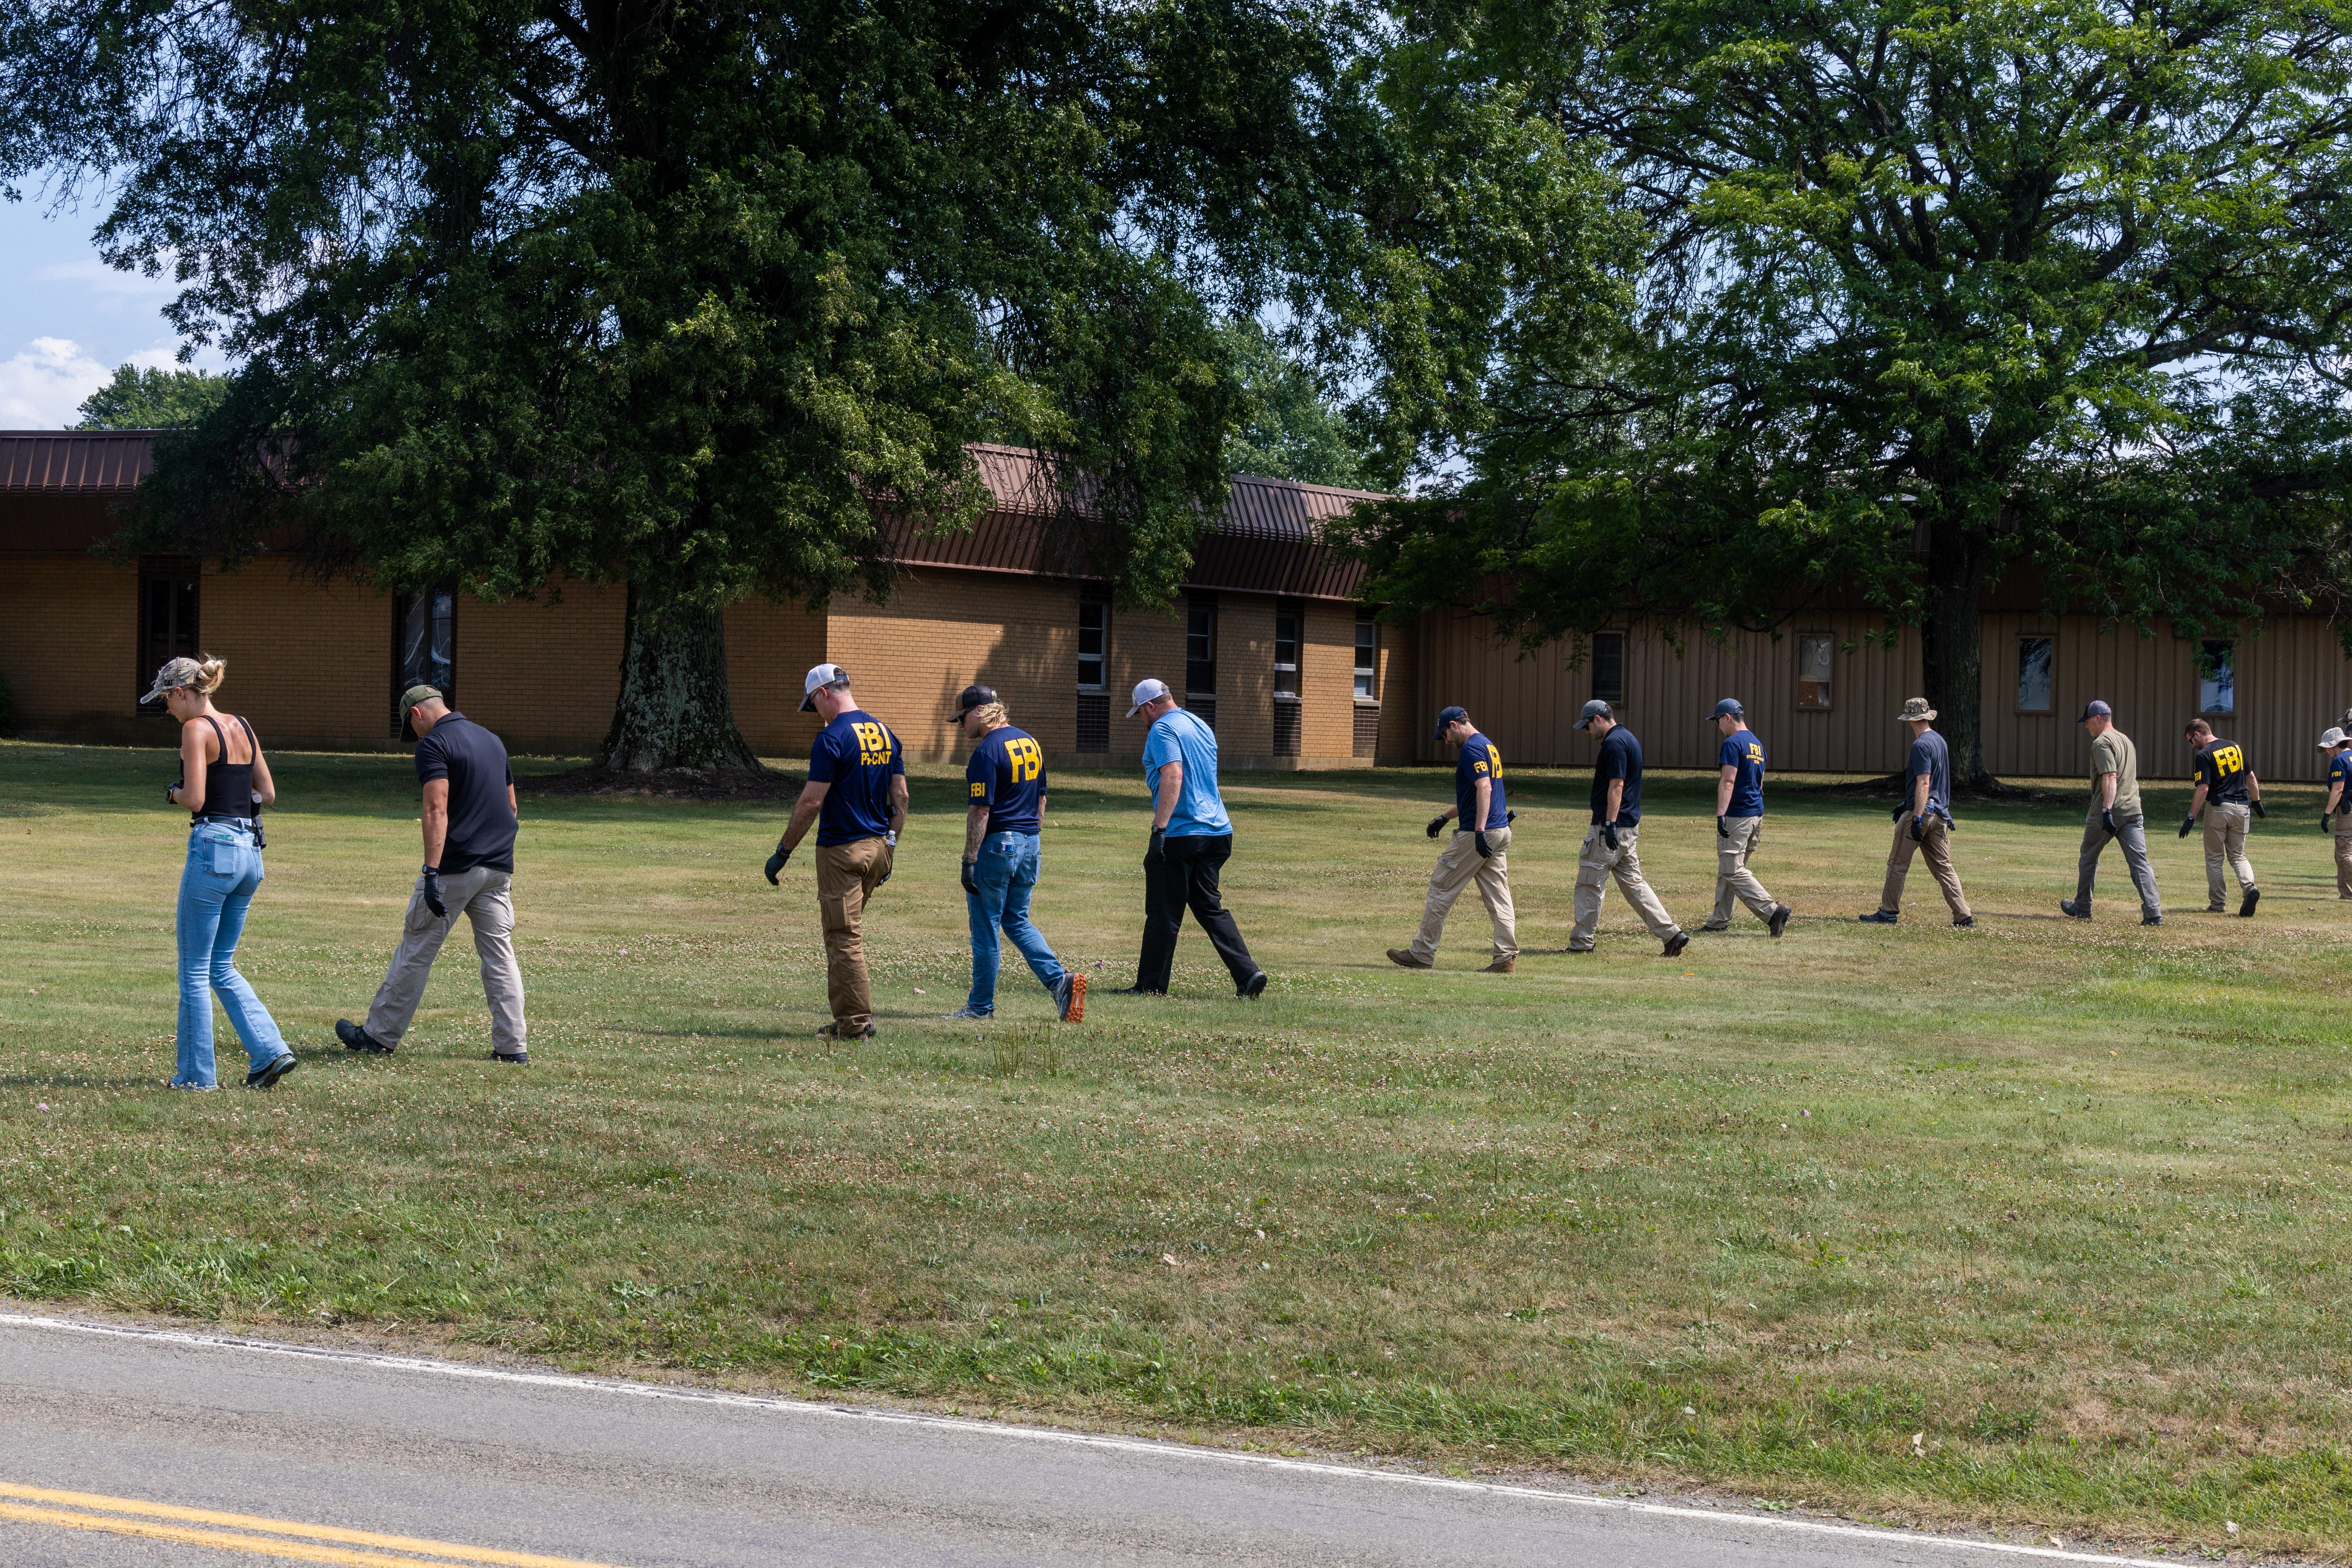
1478 760
2221 767
858 756
1620 758
481 822
2339 772
1743 752
1007 774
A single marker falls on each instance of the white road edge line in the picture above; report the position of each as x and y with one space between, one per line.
1049 1435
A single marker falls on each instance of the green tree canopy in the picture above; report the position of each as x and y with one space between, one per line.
675 293
1901 295
1290 430
153 399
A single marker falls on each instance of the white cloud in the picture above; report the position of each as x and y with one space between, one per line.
105 279
43 387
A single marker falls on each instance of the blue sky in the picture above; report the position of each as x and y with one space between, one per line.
67 319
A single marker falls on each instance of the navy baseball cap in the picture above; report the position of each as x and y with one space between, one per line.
973 697
2096 706
1596 708
1450 716
1729 705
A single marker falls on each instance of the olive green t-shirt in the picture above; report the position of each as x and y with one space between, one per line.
2113 752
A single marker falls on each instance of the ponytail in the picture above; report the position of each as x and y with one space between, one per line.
209 674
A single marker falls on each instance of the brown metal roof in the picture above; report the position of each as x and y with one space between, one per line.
68 460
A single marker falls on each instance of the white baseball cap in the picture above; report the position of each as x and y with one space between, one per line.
1146 692
823 675
2331 739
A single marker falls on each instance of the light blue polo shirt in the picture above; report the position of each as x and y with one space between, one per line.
1178 737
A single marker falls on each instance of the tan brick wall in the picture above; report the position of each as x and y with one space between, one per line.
1327 736
309 663
770 648
543 672
1400 694
943 630
1144 644
69 640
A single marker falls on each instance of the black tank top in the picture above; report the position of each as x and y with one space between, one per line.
228 787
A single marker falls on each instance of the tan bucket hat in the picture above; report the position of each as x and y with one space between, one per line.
1915 708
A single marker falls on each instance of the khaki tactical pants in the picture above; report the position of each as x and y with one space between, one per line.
1733 880
1459 867
2225 845
847 876
1935 843
1595 864
2344 857
482 896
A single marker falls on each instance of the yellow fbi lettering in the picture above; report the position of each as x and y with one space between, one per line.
1027 759
873 746
2228 759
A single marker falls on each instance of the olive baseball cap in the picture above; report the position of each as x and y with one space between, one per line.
1596 708
416 694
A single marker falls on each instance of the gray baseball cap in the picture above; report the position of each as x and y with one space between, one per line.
1596 708
823 675
1144 691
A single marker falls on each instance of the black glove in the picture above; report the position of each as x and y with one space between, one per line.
2107 821
1608 834
1900 810
1436 825
1479 838
776 863
2260 812
969 886
1510 817
1157 851
171 789
2323 820
1721 830
2187 825
433 893
1918 830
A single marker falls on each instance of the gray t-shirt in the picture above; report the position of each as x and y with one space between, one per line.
1931 756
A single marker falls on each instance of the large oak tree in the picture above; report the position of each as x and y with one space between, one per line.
1901 296
676 292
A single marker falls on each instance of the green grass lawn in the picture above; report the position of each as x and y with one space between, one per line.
2041 1223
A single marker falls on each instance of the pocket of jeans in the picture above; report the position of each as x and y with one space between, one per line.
225 859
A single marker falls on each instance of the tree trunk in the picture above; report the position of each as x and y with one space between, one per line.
673 710
1952 663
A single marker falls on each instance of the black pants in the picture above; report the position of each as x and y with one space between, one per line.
1187 874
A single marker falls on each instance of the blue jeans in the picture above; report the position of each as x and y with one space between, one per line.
223 873
1006 873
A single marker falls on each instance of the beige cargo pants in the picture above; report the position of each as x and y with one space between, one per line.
1733 880
483 897
1595 864
1457 868
2225 846
847 876
1935 846
2344 857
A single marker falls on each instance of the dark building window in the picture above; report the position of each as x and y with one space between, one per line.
1094 643
1609 667
2033 666
1285 728
1201 645
424 646
167 616
1368 653
1289 636
1094 723
1368 730
1813 672
2217 678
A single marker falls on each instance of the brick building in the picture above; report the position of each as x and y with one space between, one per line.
1267 640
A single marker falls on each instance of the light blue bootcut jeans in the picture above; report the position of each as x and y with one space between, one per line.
216 887
1006 874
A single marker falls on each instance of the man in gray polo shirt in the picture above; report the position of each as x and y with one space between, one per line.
2115 813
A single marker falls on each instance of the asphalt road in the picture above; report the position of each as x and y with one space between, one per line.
173 1450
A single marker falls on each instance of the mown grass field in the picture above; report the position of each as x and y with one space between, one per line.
2042 1224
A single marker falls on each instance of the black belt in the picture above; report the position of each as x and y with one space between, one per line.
232 821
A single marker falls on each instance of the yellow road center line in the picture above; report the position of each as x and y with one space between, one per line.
294 1550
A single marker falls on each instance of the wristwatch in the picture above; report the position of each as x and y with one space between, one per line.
890 837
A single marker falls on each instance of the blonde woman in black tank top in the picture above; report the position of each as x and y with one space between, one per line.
224 784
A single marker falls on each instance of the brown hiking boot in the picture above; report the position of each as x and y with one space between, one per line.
1502 966
1402 957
